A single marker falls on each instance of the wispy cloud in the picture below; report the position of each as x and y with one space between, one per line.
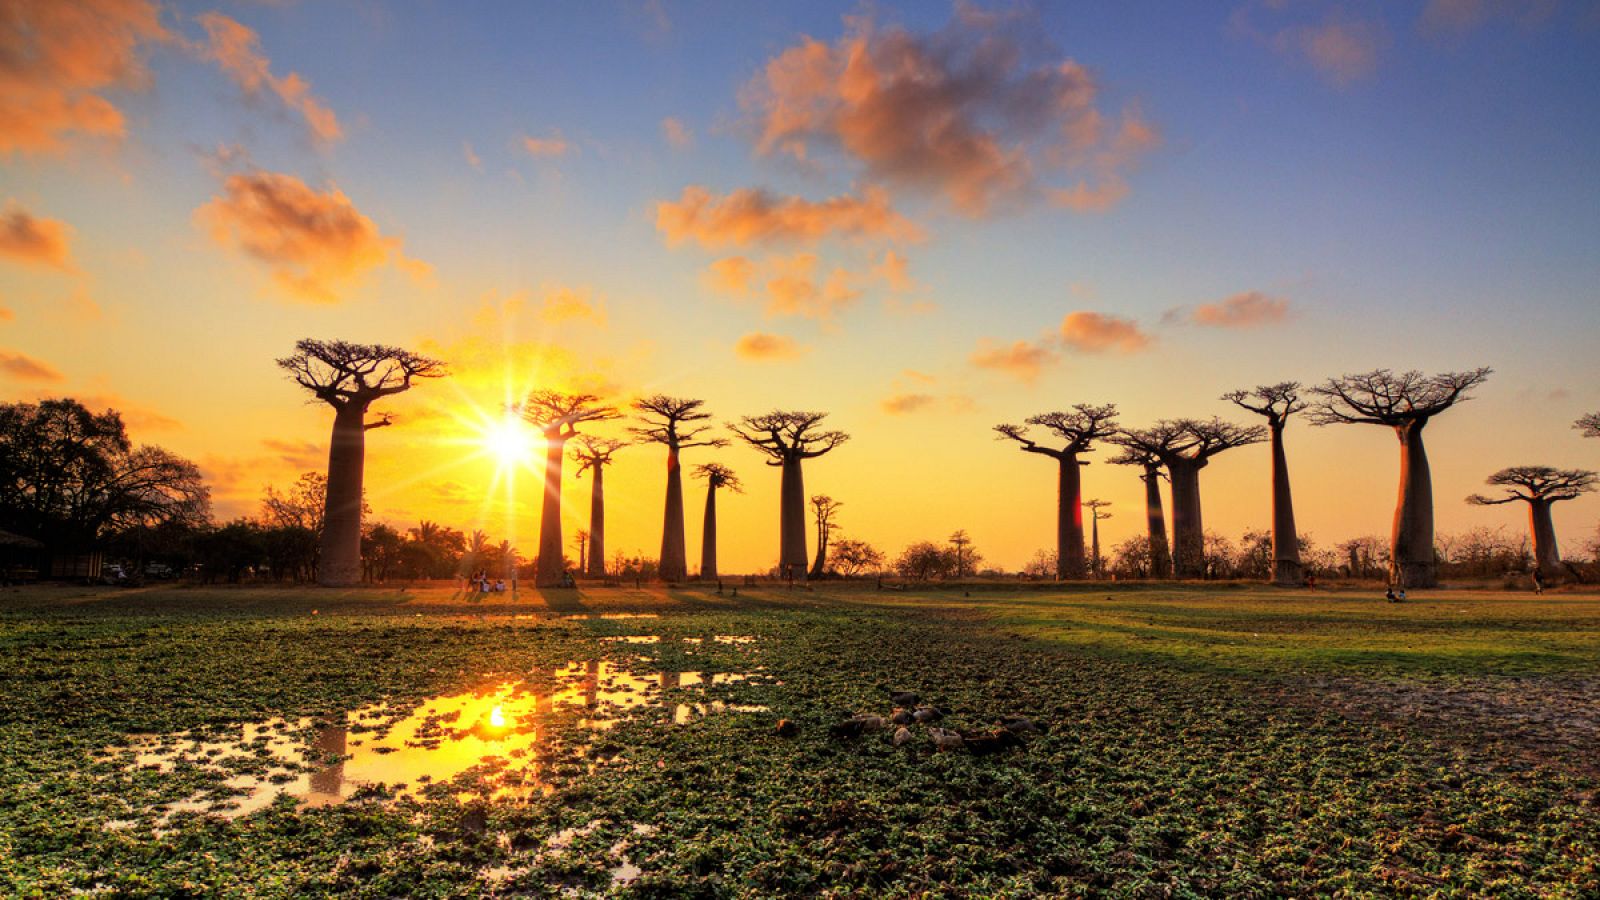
754 216
564 304
677 135
977 113
236 48
25 368
1250 309
760 346
28 239
551 145
1022 360
311 240
55 60
1094 332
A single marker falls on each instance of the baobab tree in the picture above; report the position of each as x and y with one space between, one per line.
1095 515
1539 487
350 378
671 422
1277 402
593 454
961 541
1184 447
1405 402
1155 519
557 415
716 476
1079 427
823 509
789 438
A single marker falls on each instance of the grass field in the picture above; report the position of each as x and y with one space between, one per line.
1226 741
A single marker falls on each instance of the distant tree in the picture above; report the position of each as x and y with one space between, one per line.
1096 562
717 477
852 557
1589 425
1131 558
1255 556
1044 564
70 478
924 560
673 422
593 454
301 505
1184 447
1405 402
380 552
964 560
557 416
1277 402
823 510
1078 428
433 550
1219 556
1365 557
350 378
580 540
789 438
1540 487
229 552
1160 561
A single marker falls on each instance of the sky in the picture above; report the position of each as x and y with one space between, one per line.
924 220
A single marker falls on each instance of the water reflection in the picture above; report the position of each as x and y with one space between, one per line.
502 735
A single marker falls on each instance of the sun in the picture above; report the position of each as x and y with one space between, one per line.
508 441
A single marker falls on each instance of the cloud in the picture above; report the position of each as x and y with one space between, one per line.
793 289
471 156
26 368
895 273
1022 360
301 455
978 113
1250 309
676 134
34 241
761 346
755 216
6 315
562 304
922 377
903 404
550 146
732 275
311 240
56 58
1457 17
1342 52
236 49
1093 332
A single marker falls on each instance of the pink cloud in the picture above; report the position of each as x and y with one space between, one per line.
28 239
754 216
1093 332
763 347
1021 360
1250 309
236 48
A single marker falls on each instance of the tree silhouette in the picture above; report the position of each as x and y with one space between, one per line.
350 378
671 422
823 510
1277 402
716 476
557 416
961 541
594 454
1155 519
1589 425
789 438
1184 447
1079 427
1405 402
1539 487
1095 515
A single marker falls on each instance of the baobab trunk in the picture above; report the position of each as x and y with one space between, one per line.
792 523
1156 524
597 524
674 558
1286 569
1411 540
1188 533
340 561
821 560
1069 520
1546 553
708 538
552 564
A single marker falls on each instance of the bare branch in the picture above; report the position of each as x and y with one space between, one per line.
1589 425
1275 402
666 421
1381 397
592 452
719 476
341 373
557 415
1541 484
787 436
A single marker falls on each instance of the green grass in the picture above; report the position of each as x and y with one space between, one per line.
1229 742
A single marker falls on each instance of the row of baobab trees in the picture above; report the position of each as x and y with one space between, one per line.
352 377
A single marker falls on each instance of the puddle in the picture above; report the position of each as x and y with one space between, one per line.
503 735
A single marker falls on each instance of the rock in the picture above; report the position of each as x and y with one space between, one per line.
901 736
786 728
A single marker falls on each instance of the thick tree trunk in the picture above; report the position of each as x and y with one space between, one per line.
1411 540
597 524
1069 520
339 564
1286 568
1156 524
792 523
708 537
1188 533
1546 553
674 558
552 564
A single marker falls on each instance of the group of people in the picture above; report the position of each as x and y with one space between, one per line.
480 583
